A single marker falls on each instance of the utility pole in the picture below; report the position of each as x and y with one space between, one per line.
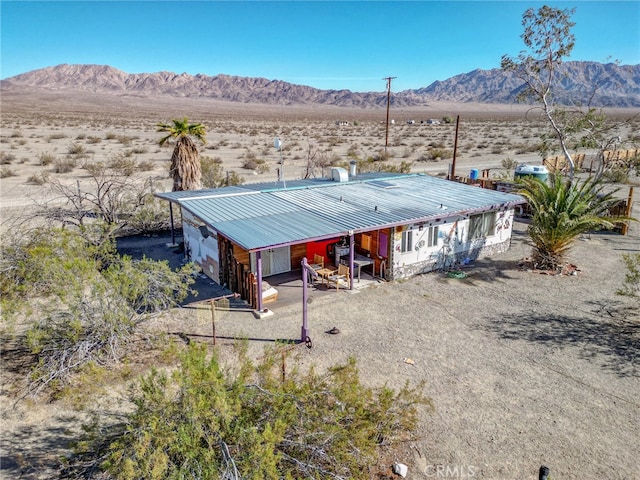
452 175
386 135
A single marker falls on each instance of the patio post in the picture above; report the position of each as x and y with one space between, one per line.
173 230
306 271
259 275
351 256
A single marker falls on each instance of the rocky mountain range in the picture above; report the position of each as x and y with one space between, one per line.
586 83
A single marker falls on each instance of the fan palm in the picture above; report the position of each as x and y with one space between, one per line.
185 162
562 210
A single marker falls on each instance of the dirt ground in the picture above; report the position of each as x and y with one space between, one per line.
524 369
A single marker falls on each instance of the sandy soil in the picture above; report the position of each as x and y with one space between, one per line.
39 130
524 369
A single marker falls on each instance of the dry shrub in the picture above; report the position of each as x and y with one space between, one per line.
77 150
65 165
46 158
7 158
145 166
252 162
55 136
38 179
122 164
6 172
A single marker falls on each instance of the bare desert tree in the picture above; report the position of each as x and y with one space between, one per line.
548 39
185 162
104 206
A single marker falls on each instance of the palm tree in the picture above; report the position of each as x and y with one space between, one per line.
562 210
185 164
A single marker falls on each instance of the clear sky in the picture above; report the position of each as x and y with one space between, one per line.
329 45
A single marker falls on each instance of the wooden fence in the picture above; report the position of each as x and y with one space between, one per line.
559 163
621 155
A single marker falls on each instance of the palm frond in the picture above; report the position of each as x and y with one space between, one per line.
563 210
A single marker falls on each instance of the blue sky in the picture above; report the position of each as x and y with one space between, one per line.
329 45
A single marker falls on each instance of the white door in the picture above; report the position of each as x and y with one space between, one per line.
274 261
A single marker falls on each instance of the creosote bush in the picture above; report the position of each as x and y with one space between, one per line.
207 421
95 300
214 176
631 284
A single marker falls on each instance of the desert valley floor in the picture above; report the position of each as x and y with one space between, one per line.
524 369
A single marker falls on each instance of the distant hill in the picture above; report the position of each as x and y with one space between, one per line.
618 86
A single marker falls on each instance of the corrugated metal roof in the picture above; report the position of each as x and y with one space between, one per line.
267 215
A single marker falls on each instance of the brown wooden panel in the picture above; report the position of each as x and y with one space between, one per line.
298 252
241 255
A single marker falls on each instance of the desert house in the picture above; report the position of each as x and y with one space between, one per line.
392 226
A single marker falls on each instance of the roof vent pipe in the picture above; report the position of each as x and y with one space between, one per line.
352 168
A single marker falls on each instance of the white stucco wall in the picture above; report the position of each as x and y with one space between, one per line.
454 244
202 251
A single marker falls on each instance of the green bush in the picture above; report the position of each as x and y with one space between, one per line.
631 285
207 421
95 300
214 176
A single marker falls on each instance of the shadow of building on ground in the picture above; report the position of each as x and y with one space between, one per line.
158 246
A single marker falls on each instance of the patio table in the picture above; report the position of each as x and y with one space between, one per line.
359 261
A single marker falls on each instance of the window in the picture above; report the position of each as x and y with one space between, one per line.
432 237
482 225
407 241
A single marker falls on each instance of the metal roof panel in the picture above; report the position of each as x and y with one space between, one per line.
265 215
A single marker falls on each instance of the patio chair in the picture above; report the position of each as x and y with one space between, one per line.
341 276
318 262
317 265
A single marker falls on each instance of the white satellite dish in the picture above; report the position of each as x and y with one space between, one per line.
277 143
